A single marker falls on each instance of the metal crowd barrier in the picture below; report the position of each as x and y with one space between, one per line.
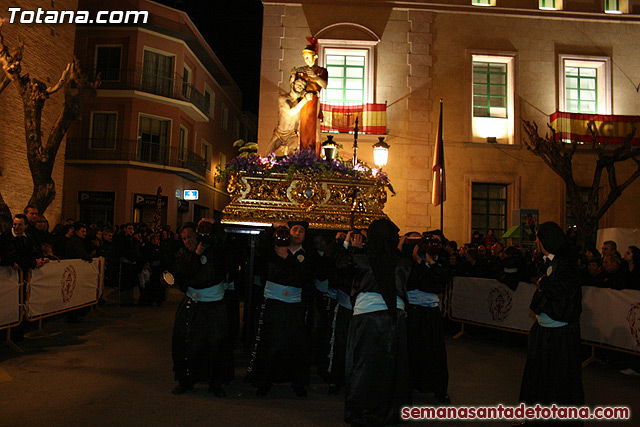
610 318
57 287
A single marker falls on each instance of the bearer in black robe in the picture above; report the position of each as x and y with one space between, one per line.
427 352
201 323
281 351
377 364
342 251
553 371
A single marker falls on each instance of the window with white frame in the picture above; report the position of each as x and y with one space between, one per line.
349 64
205 152
585 84
550 4
483 2
492 98
108 62
103 130
616 6
209 100
225 117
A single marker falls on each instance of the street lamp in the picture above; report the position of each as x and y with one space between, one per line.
380 152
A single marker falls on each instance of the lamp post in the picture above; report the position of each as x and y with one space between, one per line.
380 152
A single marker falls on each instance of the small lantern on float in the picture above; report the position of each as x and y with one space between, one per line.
329 148
380 152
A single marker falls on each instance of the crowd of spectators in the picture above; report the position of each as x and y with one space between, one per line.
487 257
135 256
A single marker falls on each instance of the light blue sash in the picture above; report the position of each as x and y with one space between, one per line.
283 293
344 300
548 322
230 286
368 302
332 293
322 285
424 299
213 293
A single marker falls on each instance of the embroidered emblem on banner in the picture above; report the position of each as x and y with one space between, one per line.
286 293
500 303
68 282
633 317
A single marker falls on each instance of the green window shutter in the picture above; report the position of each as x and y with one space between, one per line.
489 208
489 89
581 90
346 79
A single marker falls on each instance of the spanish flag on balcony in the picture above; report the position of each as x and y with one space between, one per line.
342 118
609 129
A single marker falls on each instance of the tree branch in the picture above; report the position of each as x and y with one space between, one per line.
63 79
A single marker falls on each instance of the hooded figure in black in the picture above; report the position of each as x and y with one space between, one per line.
377 364
553 371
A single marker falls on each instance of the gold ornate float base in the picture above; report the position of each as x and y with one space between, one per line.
326 202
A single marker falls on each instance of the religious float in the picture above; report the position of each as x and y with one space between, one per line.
299 185
329 194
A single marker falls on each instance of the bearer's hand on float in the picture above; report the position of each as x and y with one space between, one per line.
417 258
356 240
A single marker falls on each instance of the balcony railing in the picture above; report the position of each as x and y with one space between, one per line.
341 118
168 86
136 151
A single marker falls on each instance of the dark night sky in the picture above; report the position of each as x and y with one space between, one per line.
233 29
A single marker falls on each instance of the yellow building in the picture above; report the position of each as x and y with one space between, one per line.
493 67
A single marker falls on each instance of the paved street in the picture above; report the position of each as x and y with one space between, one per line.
114 369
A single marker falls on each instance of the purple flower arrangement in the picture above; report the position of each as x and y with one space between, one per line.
301 162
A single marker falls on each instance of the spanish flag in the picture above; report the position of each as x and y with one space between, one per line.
342 118
608 129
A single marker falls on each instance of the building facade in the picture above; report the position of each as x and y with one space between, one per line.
493 63
165 116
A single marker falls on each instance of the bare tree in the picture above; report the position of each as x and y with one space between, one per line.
41 152
558 155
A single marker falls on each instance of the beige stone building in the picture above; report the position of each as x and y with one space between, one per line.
492 66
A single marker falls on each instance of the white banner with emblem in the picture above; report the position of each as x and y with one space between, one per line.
59 286
492 303
9 296
611 317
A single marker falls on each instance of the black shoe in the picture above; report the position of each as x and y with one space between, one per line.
181 389
333 389
263 390
217 390
443 399
300 391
